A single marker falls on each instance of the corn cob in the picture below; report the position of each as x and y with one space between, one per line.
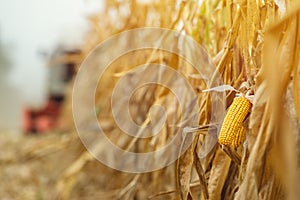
232 132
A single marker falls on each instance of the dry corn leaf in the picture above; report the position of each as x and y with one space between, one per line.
185 165
218 174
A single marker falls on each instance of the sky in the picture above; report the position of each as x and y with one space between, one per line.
29 30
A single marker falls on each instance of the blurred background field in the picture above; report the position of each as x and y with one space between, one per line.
30 32
254 46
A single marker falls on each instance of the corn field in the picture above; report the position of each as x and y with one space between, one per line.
255 48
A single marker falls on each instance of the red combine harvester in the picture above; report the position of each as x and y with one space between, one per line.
42 119
62 69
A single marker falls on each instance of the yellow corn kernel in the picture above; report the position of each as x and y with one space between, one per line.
232 132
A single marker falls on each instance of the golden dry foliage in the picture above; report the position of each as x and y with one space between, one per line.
254 45
274 138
